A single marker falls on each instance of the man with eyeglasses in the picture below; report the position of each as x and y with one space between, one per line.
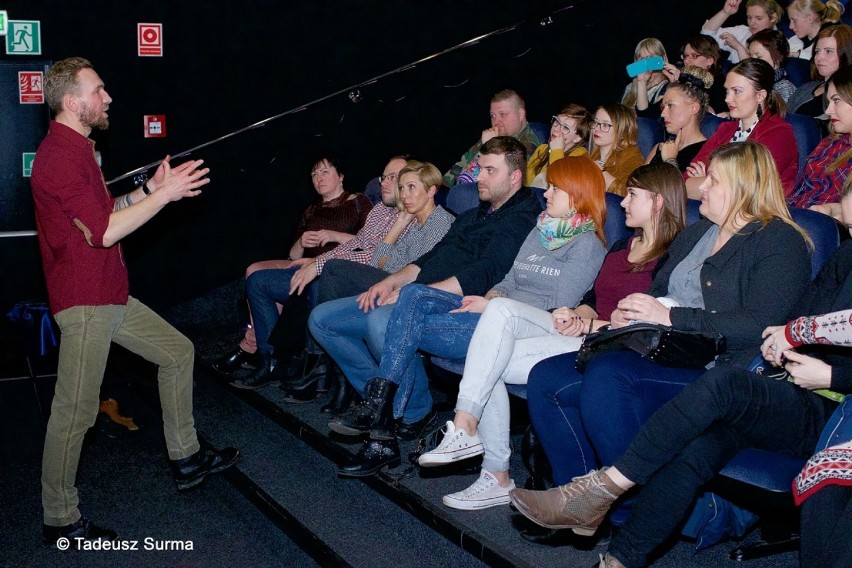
508 118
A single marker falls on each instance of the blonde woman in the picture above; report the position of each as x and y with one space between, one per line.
807 17
646 90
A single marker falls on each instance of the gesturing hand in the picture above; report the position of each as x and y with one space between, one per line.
181 181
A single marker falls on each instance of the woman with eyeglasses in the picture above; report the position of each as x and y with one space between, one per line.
569 136
684 105
759 116
614 139
703 51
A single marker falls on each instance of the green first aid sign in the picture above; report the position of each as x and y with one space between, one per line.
23 37
4 18
28 163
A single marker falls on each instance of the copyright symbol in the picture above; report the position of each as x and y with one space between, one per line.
62 543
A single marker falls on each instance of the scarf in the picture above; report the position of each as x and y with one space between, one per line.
556 232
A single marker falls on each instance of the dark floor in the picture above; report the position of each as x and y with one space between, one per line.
284 506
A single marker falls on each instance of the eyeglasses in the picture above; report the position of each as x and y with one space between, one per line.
389 177
602 126
562 126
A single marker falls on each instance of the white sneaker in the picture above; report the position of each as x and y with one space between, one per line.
485 492
456 445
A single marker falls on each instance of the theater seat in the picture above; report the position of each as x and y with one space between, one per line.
807 133
798 70
710 123
650 133
462 196
541 130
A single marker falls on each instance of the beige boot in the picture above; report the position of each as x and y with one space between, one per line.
580 505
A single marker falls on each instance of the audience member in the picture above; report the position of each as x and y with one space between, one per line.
703 51
771 46
760 15
423 223
684 106
688 441
614 136
646 90
569 136
807 18
721 276
759 114
336 218
512 336
833 50
827 168
471 258
508 118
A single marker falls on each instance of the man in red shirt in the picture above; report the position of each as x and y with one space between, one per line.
79 227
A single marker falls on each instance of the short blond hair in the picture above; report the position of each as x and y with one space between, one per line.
61 79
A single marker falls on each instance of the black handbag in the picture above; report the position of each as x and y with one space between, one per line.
654 342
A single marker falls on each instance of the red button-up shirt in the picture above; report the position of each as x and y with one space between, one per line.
72 207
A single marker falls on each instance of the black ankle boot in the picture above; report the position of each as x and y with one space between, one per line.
235 360
341 391
316 381
83 529
368 411
373 456
262 376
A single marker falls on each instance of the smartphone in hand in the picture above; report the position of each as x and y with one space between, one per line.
654 63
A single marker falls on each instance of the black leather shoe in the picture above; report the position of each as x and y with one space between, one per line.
191 471
83 528
264 375
341 393
377 393
236 359
535 534
414 431
373 456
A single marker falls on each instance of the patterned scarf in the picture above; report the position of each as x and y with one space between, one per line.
556 232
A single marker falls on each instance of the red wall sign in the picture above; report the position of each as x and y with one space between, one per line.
149 40
31 87
155 126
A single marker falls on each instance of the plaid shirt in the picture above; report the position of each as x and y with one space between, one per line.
818 186
360 249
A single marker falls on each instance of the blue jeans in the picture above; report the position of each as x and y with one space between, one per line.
264 288
355 341
597 413
421 321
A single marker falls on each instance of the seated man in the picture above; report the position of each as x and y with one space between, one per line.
473 256
508 118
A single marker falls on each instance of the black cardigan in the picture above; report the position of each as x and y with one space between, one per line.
752 282
480 246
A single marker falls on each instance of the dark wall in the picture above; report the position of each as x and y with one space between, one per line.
228 65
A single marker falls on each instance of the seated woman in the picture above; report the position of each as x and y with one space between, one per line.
688 441
771 46
723 272
807 18
832 51
569 136
645 92
405 242
512 336
759 115
702 51
760 15
684 106
334 219
829 164
555 266
614 136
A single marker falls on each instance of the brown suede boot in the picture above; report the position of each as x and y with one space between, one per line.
580 505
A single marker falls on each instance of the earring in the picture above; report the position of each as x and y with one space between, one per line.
759 111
